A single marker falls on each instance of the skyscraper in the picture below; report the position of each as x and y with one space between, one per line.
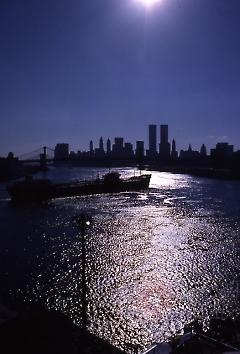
174 154
61 152
140 149
164 147
117 148
101 144
152 134
108 147
164 133
91 146
91 152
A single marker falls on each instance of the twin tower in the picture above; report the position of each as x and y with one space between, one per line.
164 146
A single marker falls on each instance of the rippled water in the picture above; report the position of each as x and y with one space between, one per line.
156 260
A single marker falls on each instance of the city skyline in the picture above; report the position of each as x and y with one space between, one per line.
159 147
70 71
157 134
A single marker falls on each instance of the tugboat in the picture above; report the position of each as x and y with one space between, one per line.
43 189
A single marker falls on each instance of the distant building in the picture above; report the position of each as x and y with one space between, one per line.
101 147
9 167
222 151
61 152
117 148
152 139
91 146
139 150
99 153
108 147
174 153
189 155
203 151
128 150
164 146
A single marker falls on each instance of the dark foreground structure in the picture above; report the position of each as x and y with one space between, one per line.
222 337
38 331
39 189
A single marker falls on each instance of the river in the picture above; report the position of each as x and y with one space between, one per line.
156 260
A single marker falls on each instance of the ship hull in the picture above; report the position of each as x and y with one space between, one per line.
39 190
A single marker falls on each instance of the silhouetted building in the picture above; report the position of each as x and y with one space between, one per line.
9 167
164 146
72 156
163 133
152 136
10 156
174 154
189 155
117 148
222 150
61 152
108 147
139 150
91 148
203 151
43 159
101 147
128 150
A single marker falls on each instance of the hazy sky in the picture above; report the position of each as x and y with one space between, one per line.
73 70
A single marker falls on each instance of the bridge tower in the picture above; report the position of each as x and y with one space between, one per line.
43 159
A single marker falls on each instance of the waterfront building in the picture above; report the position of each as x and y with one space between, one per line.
222 150
91 148
128 150
101 147
189 155
9 167
139 150
152 140
203 151
164 146
117 148
61 152
164 133
108 147
174 153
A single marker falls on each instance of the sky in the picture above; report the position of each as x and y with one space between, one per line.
75 70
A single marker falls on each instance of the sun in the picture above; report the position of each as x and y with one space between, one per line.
148 3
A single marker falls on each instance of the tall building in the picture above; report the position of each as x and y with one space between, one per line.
91 152
99 152
61 152
164 146
139 149
101 148
164 133
203 151
174 153
117 148
91 145
222 150
108 147
152 139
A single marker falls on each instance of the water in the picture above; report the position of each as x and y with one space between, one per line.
156 260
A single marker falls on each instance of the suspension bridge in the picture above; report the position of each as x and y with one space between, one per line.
43 156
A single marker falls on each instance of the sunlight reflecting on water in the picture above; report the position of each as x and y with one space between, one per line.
156 260
165 180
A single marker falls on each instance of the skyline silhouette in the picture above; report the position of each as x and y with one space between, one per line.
158 145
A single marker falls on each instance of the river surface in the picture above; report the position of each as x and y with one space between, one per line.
156 260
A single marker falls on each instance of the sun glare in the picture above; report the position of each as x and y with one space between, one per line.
148 3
